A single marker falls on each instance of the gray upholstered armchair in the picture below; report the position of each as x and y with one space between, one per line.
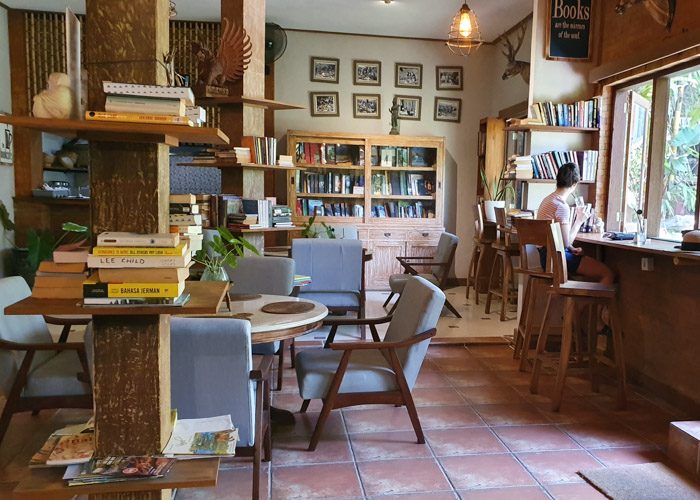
35 372
355 373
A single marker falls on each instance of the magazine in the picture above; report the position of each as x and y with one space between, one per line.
203 436
112 469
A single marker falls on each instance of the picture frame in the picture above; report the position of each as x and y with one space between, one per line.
324 104
366 72
325 69
569 39
409 107
449 78
448 109
367 106
408 75
6 147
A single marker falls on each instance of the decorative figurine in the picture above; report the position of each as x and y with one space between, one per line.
516 67
394 110
57 100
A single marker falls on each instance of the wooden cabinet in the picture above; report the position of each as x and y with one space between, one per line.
491 152
388 186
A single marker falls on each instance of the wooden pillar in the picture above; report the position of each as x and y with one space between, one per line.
129 188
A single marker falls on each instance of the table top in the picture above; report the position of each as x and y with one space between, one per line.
652 246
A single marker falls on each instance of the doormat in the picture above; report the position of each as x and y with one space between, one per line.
653 481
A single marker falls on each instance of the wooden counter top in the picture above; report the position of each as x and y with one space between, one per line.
652 246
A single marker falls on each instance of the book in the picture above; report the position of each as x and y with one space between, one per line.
144 275
71 253
137 104
137 301
56 281
119 239
40 457
96 289
184 437
48 266
149 91
113 469
97 261
73 449
181 249
183 208
105 116
185 219
188 199
186 229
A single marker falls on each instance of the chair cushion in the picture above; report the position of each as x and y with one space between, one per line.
398 281
367 371
266 348
57 376
333 299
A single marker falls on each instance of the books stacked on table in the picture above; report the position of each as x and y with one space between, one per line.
138 269
202 437
135 103
186 221
60 281
74 444
118 469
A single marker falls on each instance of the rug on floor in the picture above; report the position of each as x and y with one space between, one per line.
652 481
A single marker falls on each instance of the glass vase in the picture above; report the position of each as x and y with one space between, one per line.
217 274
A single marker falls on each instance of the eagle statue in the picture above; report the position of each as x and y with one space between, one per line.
662 11
231 59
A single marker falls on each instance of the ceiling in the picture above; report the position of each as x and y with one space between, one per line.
406 18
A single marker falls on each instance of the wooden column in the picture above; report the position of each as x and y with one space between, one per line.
129 188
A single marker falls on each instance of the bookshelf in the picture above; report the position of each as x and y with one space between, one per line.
490 151
270 104
373 178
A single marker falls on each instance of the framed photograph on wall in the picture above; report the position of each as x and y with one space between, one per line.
569 25
6 151
409 107
324 104
367 72
408 75
448 78
448 109
366 106
325 69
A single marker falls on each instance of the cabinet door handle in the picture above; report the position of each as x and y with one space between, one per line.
386 235
424 235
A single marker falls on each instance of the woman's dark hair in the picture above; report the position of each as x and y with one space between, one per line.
568 175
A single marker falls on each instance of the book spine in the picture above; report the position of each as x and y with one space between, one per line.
149 91
185 220
128 290
137 118
97 261
183 209
119 104
138 251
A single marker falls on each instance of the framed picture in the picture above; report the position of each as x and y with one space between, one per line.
367 72
6 151
324 104
366 106
409 107
448 109
325 69
569 38
408 75
448 77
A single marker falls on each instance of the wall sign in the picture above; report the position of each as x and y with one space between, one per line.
569 30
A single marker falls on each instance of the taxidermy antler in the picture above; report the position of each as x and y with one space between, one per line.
514 66
231 59
661 10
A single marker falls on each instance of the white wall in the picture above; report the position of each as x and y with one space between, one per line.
292 84
7 178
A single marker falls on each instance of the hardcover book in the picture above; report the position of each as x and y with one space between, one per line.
121 239
98 261
94 289
180 249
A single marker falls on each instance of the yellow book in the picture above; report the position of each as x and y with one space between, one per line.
179 250
106 116
96 290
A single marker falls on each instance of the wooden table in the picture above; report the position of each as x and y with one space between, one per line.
652 246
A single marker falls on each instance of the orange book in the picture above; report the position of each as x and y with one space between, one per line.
48 266
75 449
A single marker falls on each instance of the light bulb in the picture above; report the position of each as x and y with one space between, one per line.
465 24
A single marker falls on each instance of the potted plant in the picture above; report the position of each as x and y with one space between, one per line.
311 231
496 190
223 249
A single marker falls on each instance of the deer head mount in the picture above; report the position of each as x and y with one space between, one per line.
662 11
515 67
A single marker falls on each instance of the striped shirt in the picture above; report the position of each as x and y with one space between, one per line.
553 207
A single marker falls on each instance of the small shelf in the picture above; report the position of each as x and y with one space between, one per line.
233 164
66 170
49 483
544 181
550 128
329 195
401 197
405 169
54 201
251 101
120 131
268 230
333 219
206 296
329 166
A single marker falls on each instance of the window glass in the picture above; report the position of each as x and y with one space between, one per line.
637 152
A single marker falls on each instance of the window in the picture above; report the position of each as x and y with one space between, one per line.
655 168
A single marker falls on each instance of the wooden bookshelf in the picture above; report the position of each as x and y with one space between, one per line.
309 166
251 101
54 201
402 197
233 164
329 195
66 170
48 483
205 298
268 230
405 169
120 131
550 128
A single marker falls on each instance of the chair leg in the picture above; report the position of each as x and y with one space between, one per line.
478 273
505 285
321 422
304 406
388 299
451 308
471 275
7 413
489 294
541 347
280 366
527 320
593 347
566 340
256 472
619 354
292 353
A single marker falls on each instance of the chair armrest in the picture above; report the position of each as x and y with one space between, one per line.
345 346
262 372
67 346
70 320
356 321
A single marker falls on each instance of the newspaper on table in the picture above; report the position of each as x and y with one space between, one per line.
202 437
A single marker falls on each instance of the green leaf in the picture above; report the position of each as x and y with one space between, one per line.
40 247
72 227
5 220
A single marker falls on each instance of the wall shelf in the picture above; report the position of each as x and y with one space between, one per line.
329 195
233 164
66 170
550 128
120 131
54 201
405 169
309 166
251 101
402 197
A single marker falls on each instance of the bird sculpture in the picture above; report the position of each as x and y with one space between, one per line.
662 11
230 61
56 101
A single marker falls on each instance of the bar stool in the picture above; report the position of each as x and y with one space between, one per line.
481 241
585 294
501 278
531 233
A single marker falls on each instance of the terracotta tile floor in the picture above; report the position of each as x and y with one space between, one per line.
487 437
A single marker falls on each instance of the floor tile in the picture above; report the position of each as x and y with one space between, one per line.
292 402
471 378
485 471
550 467
431 379
519 492
501 364
535 438
316 481
378 420
292 449
510 414
304 424
436 396
628 456
387 445
575 491
464 441
577 411
232 484
459 364
401 476
488 394
610 435
440 417
440 495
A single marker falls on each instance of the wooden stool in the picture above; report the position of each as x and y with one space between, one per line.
531 233
581 293
481 241
502 269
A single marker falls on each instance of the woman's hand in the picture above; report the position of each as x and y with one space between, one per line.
576 250
582 213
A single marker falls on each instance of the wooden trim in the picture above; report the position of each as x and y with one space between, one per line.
657 154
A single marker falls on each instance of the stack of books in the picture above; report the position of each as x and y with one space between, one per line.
60 281
118 469
263 150
285 161
216 154
546 165
138 269
148 104
582 114
186 221
520 167
203 205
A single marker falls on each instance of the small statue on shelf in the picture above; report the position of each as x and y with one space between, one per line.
394 110
56 101
175 79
